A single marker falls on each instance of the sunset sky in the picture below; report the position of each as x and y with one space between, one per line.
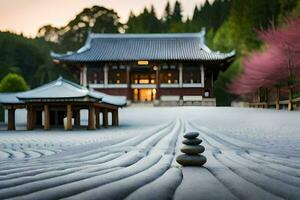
27 16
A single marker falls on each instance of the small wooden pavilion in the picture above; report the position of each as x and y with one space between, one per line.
59 102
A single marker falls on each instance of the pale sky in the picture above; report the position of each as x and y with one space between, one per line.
27 16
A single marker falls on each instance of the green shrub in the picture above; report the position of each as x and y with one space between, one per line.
13 83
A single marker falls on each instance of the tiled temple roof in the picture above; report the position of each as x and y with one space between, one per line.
134 47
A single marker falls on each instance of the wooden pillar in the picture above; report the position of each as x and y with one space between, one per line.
80 78
259 95
180 75
290 105
46 117
157 83
105 118
84 76
29 118
115 118
69 117
138 94
267 97
277 98
91 120
11 119
128 81
97 118
203 77
34 118
77 118
105 76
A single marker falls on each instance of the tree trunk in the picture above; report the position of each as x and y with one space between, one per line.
259 95
266 97
290 104
277 98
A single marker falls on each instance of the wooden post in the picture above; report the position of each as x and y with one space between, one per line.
128 81
105 75
11 119
29 118
46 117
34 117
91 120
105 118
290 105
180 75
259 95
84 76
203 77
158 83
267 97
97 118
277 98
69 117
115 118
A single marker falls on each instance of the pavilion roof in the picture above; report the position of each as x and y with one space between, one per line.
61 90
134 47
10 98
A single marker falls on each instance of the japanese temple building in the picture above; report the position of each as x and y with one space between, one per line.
59 102
155 68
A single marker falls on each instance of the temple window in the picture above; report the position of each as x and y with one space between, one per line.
95 74
117 74
143 78
191 74
169 74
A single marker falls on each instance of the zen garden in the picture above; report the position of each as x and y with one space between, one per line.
146 99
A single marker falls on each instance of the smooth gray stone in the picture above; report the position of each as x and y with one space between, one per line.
191 135
191 160
192 149
195 141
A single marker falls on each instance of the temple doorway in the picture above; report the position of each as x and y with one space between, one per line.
144 95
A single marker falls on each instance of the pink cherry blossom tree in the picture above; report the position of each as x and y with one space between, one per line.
278 65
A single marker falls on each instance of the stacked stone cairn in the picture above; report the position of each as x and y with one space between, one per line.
192 151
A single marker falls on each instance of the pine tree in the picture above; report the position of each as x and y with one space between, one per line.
168 13
177 13
146 22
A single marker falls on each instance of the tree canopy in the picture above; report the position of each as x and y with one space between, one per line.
13 83
278 65
239 32
72 36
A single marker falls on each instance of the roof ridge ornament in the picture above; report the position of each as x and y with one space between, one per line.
59 81
87 44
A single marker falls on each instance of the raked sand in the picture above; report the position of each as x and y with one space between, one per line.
251 153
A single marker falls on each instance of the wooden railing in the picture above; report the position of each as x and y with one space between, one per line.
295 104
